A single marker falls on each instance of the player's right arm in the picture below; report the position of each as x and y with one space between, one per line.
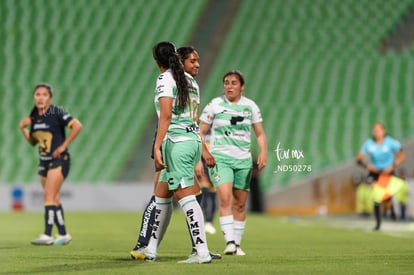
24 123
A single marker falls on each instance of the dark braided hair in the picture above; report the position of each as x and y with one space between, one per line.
166 56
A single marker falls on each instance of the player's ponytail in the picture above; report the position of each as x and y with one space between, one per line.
166 55
181 81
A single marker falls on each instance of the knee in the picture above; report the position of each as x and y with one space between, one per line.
239 207
226 202
49 197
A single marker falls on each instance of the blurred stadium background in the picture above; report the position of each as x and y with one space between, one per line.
321 71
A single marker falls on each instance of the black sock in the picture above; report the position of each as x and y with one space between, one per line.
213 204
210 206
147 222
50 211
60 220
393 215
199 198
403 209
377 212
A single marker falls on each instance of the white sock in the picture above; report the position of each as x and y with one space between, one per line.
162 215
227 226
195 219
238 231
168 213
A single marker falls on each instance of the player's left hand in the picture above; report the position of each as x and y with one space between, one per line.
58 151
158 160
262 160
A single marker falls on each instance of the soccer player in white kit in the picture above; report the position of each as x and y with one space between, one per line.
176 102
231 118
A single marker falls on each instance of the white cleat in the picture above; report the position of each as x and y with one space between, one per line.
43 240
196 259
230 249
150 257
63 239
209 228
239 251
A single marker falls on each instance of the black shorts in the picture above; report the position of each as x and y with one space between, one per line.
63 162
374 176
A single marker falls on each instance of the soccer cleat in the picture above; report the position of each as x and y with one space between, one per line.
196 259
43 240
215 256
193 251
150 257
239 251
138 253
209 228
63 239
230 249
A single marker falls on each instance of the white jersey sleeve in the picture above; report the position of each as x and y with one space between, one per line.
256 114
165 86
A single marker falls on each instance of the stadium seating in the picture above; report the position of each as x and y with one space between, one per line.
97 55
313 68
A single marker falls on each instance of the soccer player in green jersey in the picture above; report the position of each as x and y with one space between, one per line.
47 124
231 118
176 101
191 64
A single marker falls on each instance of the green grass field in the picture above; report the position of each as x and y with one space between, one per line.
102 242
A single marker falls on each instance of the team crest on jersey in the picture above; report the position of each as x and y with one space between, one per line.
246 112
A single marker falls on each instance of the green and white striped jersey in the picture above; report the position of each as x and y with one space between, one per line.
183 125
231 128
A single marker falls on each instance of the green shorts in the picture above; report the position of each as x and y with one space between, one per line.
222 173
181 159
